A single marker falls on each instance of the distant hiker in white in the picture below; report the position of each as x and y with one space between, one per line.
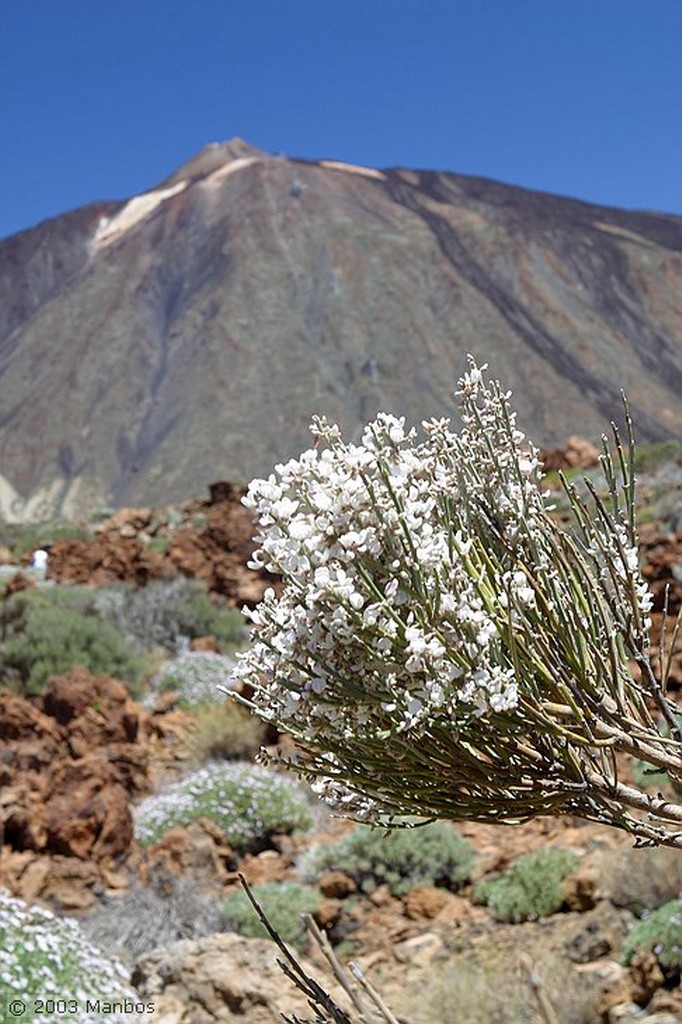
39 562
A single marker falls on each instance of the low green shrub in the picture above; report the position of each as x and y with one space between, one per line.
249 803
225 732
283 904
481 984
44 634
646 777
660 932
169 908
433 854
25 538
48 958
166 612
650 456
159 544
530 887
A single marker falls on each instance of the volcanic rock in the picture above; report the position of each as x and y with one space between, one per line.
197 850
662 565
426 901
107 559
336 884
577 453
220 979
70 765
210 540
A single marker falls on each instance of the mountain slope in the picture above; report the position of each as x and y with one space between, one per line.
151 346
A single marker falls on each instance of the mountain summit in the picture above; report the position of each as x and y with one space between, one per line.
150 346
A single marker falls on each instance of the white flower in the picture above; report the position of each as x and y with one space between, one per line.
415 574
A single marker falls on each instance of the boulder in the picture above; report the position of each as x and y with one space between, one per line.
581 889
210 540
30 740
127 522
109 558
336 884
198 850
426 902
662 565
577 453
88 810
71 883
596 933
219 979
95 710
70 763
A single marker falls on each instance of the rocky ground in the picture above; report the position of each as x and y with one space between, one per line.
72 773
208 539
75 761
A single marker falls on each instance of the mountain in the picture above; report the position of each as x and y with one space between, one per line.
186 335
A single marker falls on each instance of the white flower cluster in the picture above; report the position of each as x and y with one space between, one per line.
623 557
196 675
429 600
246 801
384 620
48 958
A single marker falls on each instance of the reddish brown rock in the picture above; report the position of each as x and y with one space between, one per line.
98 706
197 850
646 976
205 643
212 542
24 873
69 766
24 817
68 696
67 881
425 901
30 739
337 884
577 453
668 1000
662 565
581 890
127 522
88 812
17 583
614 989
109 558
328 913
268 866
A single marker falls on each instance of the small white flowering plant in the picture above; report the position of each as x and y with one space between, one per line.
249 803
49 971
196 676
442 646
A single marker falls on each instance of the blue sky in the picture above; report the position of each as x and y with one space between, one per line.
101 99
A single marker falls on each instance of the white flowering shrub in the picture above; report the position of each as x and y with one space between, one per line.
47 964
197 677
250 804
442 647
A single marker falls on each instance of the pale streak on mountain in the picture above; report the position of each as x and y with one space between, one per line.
197 344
